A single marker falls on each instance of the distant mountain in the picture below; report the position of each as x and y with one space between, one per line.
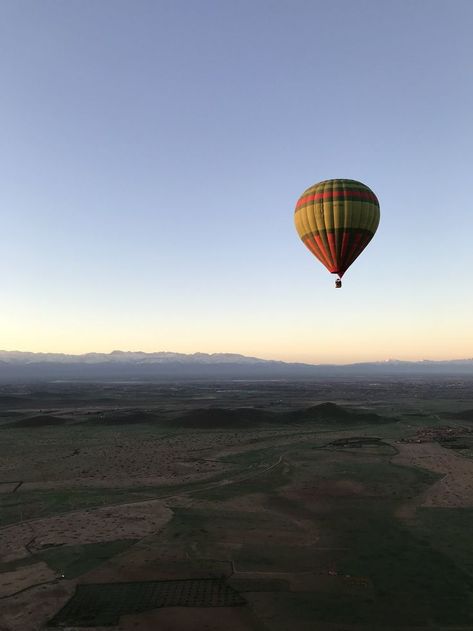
119 365
126 357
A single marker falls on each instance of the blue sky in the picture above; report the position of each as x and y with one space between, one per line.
153 153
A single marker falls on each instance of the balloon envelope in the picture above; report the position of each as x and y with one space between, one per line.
336 219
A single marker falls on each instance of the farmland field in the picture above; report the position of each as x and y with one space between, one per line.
267 506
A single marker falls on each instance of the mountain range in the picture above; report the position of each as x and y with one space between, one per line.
24 366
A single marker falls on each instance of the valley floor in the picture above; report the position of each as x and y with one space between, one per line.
117 521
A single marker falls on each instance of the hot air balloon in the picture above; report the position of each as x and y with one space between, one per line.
336 219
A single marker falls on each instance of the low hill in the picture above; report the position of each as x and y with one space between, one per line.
333 413
123 417
219 418
210 418
330 413
466 415
40 420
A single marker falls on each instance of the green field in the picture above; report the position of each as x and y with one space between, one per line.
304 518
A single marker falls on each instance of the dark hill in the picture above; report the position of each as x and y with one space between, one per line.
210 418
466 415
333 413
124 417
40 420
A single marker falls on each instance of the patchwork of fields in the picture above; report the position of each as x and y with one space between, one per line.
295 513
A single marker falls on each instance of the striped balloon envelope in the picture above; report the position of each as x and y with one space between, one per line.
336 219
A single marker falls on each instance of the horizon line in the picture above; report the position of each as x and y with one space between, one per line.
370 361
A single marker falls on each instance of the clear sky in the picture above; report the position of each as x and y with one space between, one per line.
153 152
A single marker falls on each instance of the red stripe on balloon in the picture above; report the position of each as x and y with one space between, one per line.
332 245
364 195
337 260
316 246
330 264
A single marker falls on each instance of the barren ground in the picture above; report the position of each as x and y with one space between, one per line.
313 531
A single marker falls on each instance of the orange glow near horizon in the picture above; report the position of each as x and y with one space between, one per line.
268 335
345 351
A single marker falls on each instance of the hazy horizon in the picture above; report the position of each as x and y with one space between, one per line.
156 151
201 352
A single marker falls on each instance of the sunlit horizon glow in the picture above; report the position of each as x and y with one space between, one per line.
453 350
156 151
